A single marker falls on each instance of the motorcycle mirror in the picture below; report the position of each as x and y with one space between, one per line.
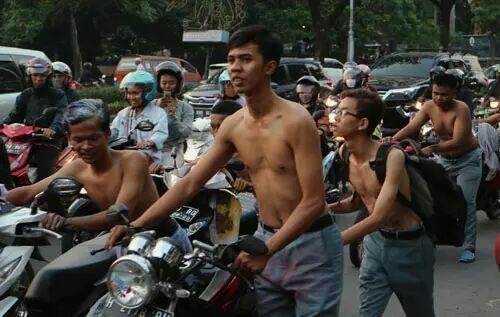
253 245
82 207
118 143
118 214
145 126
66 186
235 164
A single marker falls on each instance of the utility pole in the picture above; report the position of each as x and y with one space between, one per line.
350 43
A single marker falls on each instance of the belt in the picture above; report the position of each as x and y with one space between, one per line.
403 235
319 224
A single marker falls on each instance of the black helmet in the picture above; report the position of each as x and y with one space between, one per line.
87 65
307 89
170 68
444 62
458 74
353 78
436 70
311 80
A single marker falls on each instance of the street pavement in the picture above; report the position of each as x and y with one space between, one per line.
459 289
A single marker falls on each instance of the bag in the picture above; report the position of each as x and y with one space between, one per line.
436 198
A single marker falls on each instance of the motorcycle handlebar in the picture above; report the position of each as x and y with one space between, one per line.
46 231
42 137
203 246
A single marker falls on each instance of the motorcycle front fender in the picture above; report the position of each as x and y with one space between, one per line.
7 304
22 255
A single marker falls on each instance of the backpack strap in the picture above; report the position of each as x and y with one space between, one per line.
380 168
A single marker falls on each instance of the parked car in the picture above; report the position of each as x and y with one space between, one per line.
333 69
126 65
203 97
12 75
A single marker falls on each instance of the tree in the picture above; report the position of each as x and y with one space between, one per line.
444 7
487 15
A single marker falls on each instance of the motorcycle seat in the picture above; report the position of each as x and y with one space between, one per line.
71 274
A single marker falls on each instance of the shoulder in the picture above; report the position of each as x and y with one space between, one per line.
74 168
295 114
123 112
395 159
132 160
462 108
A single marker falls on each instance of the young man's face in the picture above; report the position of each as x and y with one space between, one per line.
346 121
247 68
168 82
215 122
134 96
88 140
39 80
442 96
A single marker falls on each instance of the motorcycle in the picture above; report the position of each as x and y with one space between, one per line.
155 278
19 140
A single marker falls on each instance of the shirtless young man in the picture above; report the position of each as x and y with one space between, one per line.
459 150
109 177
399 256
277 140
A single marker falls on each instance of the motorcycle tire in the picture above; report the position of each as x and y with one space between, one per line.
356 249
492 208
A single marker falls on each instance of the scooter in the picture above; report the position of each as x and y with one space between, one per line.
156 278
19 140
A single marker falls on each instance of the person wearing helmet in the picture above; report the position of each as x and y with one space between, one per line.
61 79
427 95
367 71
138 63
30 105
140 89
90 75
463 93
307 90
493 87
227 91
180 114
351 79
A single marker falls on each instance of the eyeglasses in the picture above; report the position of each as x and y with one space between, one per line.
225 82
344 112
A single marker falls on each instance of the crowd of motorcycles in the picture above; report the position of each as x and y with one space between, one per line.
152 276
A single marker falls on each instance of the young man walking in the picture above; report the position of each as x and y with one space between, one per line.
399 256
277 140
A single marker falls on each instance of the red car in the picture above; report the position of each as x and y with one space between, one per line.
192 77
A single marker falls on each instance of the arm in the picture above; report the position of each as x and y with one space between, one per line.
413 127
118 124
61 105
160 131
385 201
304 141
461 131
135 173
346 205
188 186
492 120
185 125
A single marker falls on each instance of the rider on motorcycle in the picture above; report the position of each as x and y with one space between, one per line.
494 87
427 95
226 89
180 113
353 78
464 93
307 90
140 89
367 73
30 105
61 79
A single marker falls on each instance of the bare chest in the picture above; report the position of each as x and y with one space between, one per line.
104 188
365 183
443 122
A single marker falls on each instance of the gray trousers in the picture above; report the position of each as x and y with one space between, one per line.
403 267
304 279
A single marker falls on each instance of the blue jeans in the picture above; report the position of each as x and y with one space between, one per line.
304 278
403 267
467 172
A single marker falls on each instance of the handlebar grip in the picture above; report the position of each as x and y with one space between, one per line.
203 246
42 136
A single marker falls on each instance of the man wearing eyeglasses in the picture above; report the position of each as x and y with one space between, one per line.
399 256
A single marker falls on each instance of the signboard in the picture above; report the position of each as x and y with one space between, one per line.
208 36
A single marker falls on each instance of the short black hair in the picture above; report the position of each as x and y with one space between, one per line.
269 43
369 105
226 107
87 109
445 80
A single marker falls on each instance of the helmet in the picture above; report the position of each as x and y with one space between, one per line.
38 66
353 78
223 79
365 69
171 68
308 89
458 74
436 70
142 79
87 65
348 65
308 80
444 62
60 67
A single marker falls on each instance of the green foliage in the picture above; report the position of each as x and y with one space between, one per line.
108 94
487 14
116 106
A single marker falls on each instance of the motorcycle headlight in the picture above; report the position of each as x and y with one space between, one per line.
132 281
494 104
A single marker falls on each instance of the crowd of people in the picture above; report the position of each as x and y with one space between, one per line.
281 144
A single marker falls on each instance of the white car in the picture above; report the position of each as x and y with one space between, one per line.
12 75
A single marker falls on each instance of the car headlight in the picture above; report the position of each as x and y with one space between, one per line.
402 93
132 281
8 268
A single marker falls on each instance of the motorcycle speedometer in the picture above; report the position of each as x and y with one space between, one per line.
132 281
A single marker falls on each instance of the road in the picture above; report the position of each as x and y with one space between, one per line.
459 289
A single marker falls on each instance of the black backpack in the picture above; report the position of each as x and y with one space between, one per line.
436 198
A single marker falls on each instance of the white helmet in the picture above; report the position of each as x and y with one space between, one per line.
60 67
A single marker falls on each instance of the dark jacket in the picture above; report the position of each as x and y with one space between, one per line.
71 95
31 103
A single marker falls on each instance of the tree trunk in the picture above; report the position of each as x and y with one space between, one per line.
444 7
77 56
322 40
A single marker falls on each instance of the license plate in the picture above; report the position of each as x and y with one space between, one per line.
185 213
